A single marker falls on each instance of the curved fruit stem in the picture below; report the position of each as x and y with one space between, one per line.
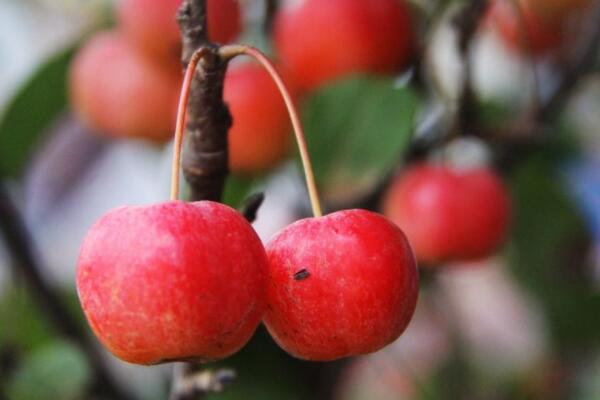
230 51
181 113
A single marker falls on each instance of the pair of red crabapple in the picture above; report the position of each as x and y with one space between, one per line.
192 281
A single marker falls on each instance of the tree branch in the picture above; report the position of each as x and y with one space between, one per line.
271 7
205 156
467 22
21 249
190 384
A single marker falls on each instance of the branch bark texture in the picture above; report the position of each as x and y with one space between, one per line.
205 156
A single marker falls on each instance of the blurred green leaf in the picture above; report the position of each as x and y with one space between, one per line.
238 188
31 111
55 371
265 372
21 323
549 253
357 130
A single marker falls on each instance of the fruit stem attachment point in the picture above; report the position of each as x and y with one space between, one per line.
181 114
230 51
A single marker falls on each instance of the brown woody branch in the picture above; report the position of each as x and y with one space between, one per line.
467 22
205 156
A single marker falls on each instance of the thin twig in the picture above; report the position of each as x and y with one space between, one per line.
21 249
271 7
467 22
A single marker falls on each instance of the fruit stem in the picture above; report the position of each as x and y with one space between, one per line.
181 114
230 51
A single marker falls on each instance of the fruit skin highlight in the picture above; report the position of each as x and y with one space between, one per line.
172 281
318 41
340 285
151 25
114 88
449 214
261 132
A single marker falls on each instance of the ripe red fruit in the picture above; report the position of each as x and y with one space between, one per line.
260 135
118 90
152 24
544 23
449 214
322 40
554 8
340 285
172 281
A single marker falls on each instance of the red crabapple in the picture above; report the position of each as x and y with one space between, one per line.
555 8
449 214
544 23
172 281
152 24
318 41
261 131
340 285
118 90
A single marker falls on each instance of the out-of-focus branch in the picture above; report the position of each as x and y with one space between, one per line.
528 132
190 384
21 249
466 23
270 11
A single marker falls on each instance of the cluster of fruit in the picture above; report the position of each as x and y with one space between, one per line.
125 82
534 26
192 281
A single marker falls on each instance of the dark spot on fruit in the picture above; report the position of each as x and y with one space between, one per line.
302 274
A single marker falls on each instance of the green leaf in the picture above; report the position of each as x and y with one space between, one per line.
55 371
31 112
22 324
548 253
357 130
238 188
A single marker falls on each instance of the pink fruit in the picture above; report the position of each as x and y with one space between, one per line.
261 131
449 214
152 24
319 41
340 285
172 281
119 91
540 28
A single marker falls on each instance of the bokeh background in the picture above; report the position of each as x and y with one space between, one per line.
523 324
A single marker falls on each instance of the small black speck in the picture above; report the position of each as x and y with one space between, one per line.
302 274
